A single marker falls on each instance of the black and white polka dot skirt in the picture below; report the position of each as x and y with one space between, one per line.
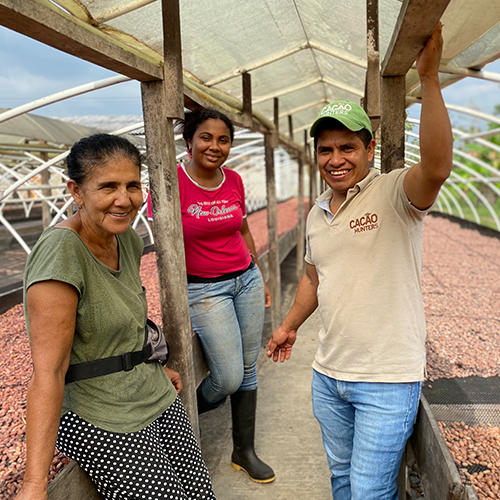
161 461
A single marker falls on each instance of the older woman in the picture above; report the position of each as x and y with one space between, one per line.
84 301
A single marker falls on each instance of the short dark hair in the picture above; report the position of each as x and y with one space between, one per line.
193 119
96 150
332 124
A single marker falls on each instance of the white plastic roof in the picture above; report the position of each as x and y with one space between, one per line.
306 52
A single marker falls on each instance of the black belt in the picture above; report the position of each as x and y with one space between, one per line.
97 368
191 278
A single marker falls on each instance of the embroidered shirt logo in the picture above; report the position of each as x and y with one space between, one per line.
366 223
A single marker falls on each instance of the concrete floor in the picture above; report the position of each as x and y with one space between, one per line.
288 437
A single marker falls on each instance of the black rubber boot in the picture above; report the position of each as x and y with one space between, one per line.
243 406
203 404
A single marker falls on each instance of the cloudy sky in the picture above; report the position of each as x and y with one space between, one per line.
30 70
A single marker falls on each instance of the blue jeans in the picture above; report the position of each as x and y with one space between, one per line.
365 427
228 317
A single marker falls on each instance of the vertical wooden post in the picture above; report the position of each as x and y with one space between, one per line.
247 99
169 242
272 228
162 101
301 224
371 101
393 122
172 70
308 162
275 137
45 179
290 127
314 176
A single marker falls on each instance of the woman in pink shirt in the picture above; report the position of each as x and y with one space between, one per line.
227 294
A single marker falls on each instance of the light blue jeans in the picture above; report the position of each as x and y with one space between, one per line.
228 317
365 427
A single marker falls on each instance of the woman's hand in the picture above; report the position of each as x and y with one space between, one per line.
267 295
175 378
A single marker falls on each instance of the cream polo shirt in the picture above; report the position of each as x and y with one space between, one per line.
369 260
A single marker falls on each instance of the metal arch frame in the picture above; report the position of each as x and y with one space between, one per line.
476 177
465 155
36 188
479 177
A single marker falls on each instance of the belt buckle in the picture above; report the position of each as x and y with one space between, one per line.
127 364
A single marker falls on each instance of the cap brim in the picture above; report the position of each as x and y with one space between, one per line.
351 125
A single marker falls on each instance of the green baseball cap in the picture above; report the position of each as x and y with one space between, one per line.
350 114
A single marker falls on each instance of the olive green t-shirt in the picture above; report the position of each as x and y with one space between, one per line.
110 321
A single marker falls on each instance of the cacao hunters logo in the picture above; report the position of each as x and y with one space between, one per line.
340 108
368 222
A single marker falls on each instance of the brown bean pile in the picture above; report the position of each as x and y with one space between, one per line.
461 285
461 288
476 446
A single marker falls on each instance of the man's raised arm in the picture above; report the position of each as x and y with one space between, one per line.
423 181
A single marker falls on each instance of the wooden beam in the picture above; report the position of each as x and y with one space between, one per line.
416 22
371 102
62 31
193 101
172 74
393 104
247 99
301 223
272 228
169 241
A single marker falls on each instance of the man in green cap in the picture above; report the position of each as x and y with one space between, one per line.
364 260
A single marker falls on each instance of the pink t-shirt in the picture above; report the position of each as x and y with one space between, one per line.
211 221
